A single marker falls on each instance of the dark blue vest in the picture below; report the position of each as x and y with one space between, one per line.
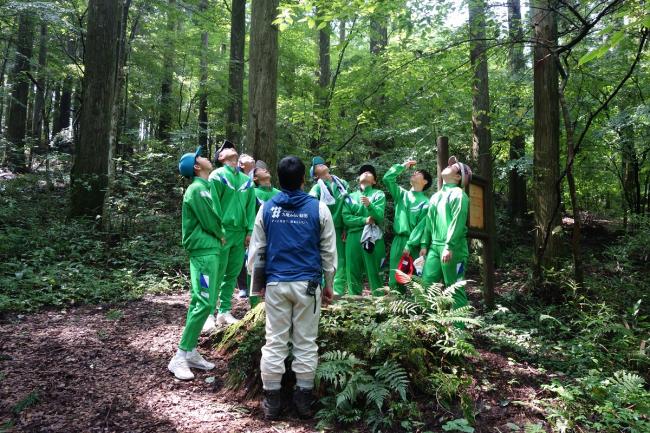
292 226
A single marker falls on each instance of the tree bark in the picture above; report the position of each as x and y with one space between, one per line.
235 113
378 43
546 136
203 84
90 169
517 200
17 116
166 109
262 88
39 98
342 34
322 90
3 71
482 137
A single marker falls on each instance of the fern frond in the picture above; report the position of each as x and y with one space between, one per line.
394 376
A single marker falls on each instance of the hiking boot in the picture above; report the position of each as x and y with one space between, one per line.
180 367
272 404
303 401
226 319
209 325
195 360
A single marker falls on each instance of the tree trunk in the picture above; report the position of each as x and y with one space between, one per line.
482 137
39 99
17 116
166 109
203 84
89 175
342 31
262 87
56 104
517 200
3 71
322 90
378 43
120 78
235 111
546 136
570 143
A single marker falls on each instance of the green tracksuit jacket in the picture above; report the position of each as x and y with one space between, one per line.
262 195
411 207
358 261
445 228
336 209
236 194
202 234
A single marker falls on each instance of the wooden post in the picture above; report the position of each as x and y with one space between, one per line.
443 157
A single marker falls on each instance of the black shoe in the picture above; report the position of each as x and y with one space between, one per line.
303 401
272 404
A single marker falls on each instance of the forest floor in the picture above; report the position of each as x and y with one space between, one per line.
104 369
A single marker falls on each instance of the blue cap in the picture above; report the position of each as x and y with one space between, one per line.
317 160
186 163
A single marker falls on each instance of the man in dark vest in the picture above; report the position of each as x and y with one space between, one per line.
295 234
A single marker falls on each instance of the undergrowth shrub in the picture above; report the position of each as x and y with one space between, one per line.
47 259
386 361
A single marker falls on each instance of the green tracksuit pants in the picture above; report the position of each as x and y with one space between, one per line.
435 271
204 276
232 259
359 262
396 251
340 279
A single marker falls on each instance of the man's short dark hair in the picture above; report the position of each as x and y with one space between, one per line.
291 173
427 177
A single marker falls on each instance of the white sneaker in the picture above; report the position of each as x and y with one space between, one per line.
209 325
180 367
195 360
226 319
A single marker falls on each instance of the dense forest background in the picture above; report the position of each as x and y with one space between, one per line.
545 99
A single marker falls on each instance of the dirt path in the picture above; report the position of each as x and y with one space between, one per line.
94 369
104 369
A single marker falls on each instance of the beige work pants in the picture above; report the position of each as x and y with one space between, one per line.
290 316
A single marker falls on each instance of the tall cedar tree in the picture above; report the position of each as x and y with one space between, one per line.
482 137
546 134
263 82
235 113
165 118
517 200
89 175
17 117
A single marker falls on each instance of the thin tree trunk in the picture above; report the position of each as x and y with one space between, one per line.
342 31
39 98
517 201
546 136
570 141
17 117
235 112
203 84
166 109
378 43
482 138
262 87
322 91
90 170
3 71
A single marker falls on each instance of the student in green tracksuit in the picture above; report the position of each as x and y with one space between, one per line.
203 239
411 207
444 237
333 191
366 208
264 192
236 194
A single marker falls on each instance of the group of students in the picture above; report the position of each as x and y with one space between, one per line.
434 228
328 239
